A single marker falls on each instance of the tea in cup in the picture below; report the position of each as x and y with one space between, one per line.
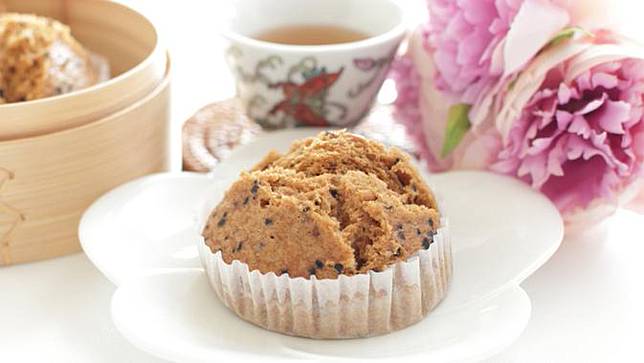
312 62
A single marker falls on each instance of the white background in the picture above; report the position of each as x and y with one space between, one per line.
587 301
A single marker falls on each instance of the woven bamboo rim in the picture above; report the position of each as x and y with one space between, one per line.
126 38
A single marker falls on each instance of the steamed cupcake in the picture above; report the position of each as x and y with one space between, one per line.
39 58
338 238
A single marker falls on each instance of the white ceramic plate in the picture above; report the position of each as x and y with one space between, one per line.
502 230
176 316
141 225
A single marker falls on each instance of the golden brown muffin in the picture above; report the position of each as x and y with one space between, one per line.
334 204
39 58
339 152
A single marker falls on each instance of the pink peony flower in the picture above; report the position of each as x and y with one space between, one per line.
476 42
570 123
566 117
580 139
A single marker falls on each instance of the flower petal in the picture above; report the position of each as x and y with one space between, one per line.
613 115
580 126
563 119
592 105
534 25
564 93
605 80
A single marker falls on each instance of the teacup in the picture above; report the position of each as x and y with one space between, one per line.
283 85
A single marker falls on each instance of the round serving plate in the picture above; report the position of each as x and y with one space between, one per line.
141 236
126 38
176 316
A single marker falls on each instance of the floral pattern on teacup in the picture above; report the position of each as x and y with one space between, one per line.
300 97
378 67
306 102
285 90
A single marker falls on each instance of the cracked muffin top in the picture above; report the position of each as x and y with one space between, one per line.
39 58
333 204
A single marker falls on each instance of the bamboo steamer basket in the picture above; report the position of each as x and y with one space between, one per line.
126 38
47 181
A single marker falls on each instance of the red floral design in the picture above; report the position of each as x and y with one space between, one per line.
305 102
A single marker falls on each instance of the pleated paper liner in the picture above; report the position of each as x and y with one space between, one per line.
355 306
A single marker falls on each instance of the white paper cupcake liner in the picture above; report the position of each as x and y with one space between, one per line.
355 306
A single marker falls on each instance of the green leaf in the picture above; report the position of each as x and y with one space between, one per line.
458 123
566 34
513 82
